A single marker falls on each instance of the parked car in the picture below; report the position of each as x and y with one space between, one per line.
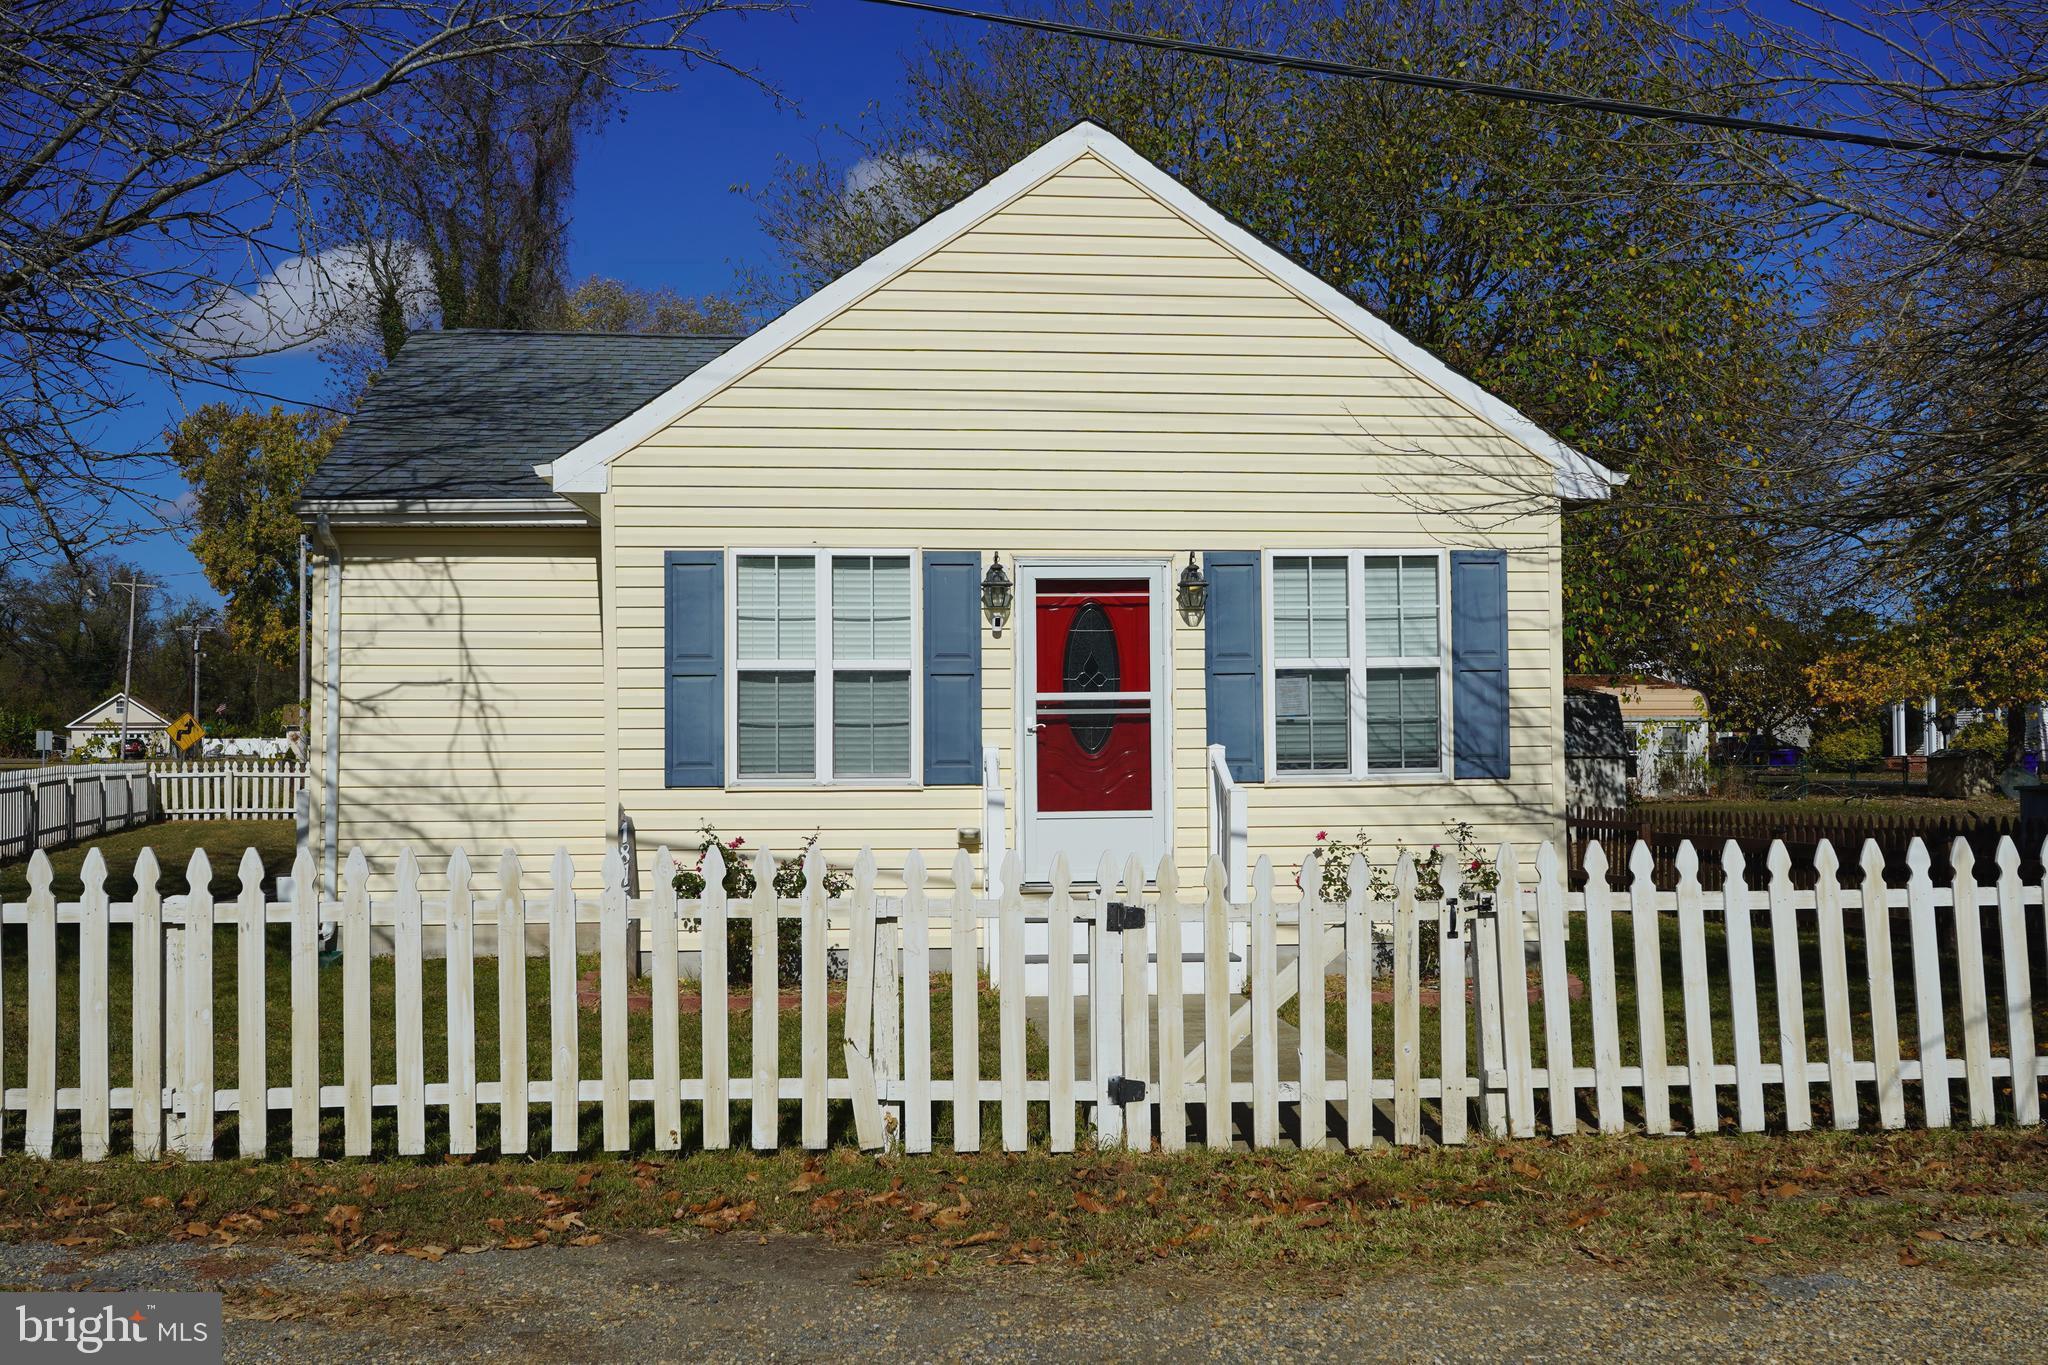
1758 752
135 749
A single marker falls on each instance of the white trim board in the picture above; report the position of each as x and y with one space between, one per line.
1037 855
585 469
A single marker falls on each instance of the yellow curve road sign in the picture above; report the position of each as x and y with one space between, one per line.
186 732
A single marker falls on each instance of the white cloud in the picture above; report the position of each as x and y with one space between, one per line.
310 299
887 185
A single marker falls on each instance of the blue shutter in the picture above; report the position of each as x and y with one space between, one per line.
952 669
1235 662
694 582
1479 662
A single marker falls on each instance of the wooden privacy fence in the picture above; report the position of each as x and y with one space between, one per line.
1681 1009
1665 826
50 807
229 788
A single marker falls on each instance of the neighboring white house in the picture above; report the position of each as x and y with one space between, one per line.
102 724
1668 729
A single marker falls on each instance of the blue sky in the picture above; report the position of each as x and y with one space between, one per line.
656 199
660 195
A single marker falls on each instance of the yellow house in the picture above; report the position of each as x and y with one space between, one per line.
1077 522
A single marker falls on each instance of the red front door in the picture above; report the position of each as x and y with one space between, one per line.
1093 715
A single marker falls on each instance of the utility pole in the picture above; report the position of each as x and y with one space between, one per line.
197 628
135 588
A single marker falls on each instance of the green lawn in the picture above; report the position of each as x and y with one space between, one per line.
174 842
1702 1213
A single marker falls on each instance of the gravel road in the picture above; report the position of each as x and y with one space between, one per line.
740 1298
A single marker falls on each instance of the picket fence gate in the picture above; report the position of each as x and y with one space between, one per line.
1498 1049
228 788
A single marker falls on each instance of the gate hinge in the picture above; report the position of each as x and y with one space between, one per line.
1122 916
1123 1090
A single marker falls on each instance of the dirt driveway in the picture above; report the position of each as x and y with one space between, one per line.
700 1298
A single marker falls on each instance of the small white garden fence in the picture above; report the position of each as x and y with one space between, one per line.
1684 1009
228 788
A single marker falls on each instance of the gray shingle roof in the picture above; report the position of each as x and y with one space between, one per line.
467 414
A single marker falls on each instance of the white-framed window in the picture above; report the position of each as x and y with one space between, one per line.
823 665
1357 661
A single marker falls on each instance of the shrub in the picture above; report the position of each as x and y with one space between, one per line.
1985 738
740 884
1851 746
1480 876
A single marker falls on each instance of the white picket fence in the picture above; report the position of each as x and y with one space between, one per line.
50 807
1516 1037
228 788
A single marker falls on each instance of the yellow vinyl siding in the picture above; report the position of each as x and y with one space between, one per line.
1085 372
472 698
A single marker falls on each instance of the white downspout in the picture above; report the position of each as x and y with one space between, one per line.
331 741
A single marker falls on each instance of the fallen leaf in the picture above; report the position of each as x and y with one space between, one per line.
588 1239
983 1237
1757 1239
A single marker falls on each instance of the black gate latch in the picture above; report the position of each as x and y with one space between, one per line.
1123 1090
1123 916
1482 905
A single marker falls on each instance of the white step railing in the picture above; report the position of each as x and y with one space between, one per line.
1229 823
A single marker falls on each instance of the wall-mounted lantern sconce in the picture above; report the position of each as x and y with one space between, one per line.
997 593
1194 590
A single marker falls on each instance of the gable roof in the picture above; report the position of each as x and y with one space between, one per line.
584 468
462 416
139 714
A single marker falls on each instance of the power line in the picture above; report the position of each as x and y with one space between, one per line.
1517 93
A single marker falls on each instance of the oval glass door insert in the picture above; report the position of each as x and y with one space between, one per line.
1092 664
